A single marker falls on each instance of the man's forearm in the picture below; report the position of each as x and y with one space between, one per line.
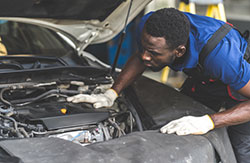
236 115
133 68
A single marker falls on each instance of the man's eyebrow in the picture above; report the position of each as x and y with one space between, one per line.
146 41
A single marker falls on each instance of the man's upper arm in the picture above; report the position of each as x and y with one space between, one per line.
245 91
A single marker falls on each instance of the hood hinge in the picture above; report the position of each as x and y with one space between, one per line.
92 35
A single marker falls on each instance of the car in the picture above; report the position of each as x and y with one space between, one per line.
43 61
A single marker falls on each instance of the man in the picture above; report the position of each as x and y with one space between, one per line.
171 38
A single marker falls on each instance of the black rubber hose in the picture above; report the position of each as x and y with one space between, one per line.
1 96
31 100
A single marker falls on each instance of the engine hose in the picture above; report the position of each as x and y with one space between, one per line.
131 121
22 130
10 109
16 130
135 115
114 124
31 100
11 119
1 96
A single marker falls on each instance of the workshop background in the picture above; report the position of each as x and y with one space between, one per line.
236 12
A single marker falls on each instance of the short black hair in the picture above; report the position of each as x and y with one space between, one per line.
171 24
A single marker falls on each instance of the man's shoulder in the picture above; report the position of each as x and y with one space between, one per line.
227 64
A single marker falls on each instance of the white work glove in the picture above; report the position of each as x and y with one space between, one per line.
189 125
98 100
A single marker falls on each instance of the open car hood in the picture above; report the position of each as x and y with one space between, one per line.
88 21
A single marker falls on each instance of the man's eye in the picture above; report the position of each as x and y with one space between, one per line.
154 53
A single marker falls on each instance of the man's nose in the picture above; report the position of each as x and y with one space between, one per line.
146 56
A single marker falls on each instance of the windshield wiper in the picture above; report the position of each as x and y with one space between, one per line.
19 62
10 65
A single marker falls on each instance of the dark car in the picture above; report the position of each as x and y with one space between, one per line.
42 62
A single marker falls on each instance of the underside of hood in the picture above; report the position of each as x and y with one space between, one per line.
88 21
59 9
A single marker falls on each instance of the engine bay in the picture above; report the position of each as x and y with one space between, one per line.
39 109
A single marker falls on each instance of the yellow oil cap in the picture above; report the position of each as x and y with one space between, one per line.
63 110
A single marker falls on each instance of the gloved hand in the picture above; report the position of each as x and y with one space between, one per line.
98 100
189 125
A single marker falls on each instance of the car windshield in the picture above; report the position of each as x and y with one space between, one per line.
27 39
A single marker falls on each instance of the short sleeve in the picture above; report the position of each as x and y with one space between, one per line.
227 64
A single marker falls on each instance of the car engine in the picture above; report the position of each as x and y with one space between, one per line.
40 109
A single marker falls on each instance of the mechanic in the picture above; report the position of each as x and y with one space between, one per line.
176 39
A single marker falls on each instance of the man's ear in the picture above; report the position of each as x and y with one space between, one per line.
180 50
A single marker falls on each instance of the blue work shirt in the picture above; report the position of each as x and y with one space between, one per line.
225 62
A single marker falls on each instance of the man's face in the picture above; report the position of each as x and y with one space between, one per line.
156 54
